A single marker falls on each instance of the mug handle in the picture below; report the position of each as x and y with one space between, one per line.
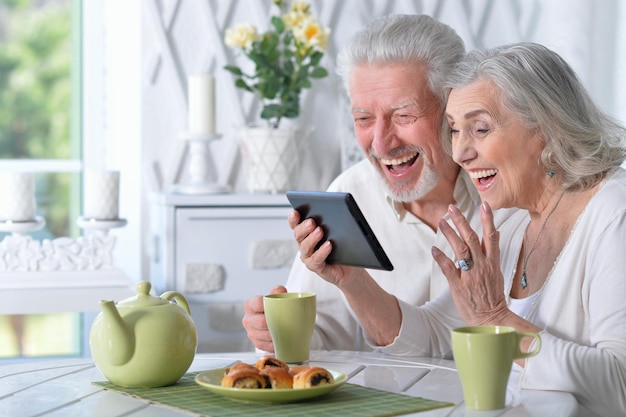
518 352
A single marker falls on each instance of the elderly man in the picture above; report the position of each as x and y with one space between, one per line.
393 71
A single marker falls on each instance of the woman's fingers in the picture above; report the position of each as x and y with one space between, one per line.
467 234
491 236
465 243
445 263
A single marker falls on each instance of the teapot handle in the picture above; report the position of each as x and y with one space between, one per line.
178 297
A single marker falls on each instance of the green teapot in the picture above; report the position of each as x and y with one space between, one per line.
144 341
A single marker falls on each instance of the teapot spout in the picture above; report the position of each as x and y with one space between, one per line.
119 340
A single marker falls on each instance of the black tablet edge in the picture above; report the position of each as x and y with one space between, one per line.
370 236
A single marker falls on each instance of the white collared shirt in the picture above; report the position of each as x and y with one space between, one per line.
407 241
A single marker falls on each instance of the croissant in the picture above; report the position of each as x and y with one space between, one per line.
271 361
244 378
312 377
277 377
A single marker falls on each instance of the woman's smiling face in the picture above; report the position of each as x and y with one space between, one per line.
499 152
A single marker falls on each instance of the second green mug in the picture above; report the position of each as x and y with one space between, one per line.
484 356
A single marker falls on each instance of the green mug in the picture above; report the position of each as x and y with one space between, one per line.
291 318
484 356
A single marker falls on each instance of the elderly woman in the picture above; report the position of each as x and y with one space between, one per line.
528 134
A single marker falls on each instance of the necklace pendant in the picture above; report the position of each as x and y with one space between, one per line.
524 283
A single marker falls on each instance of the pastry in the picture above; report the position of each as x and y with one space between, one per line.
244 378
269 372
312 377
239 366
271 361
277 377
297 369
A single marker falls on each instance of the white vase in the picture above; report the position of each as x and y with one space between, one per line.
271 158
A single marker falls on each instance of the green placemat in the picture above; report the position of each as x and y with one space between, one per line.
347 400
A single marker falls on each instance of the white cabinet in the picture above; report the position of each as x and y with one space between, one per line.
219 250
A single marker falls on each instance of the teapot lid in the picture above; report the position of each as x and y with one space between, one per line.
143 297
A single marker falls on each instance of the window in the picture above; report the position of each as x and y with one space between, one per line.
40 124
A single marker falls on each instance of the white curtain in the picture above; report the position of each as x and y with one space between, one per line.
590 35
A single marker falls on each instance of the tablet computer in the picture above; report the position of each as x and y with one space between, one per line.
354 242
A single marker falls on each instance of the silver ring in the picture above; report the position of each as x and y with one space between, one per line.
463 264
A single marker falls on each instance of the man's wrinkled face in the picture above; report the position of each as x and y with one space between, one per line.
396 122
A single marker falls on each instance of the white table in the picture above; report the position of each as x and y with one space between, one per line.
64 388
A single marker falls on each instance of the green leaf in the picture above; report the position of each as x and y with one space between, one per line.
289 54
302 74
273 54
289 68
289 39
291 112
316 57
274 85
235 70
270 111
278 24
318 72
270 41
263 64
269 87
239 83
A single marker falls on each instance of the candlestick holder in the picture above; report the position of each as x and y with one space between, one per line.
100 226
198 147
20 227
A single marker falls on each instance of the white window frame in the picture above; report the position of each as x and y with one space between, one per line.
112 111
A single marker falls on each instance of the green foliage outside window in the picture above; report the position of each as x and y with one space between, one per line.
35 123
35 95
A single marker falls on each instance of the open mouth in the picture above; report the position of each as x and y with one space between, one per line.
483 177
400 164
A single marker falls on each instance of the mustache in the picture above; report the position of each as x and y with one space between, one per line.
396 152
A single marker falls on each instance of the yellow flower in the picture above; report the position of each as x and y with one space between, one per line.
241 36
293 19
301 7
299 12
310 33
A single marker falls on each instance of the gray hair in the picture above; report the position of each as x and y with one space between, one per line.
583 143
404 39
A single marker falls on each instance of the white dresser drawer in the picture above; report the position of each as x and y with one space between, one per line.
228 254
219 250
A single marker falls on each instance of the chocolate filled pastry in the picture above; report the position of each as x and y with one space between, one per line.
271 361
312 377
240 366
244 378
277 377
297 369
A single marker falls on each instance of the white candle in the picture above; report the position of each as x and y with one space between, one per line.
17 196
101 190
201 106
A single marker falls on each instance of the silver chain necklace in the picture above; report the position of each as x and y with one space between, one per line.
532 248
